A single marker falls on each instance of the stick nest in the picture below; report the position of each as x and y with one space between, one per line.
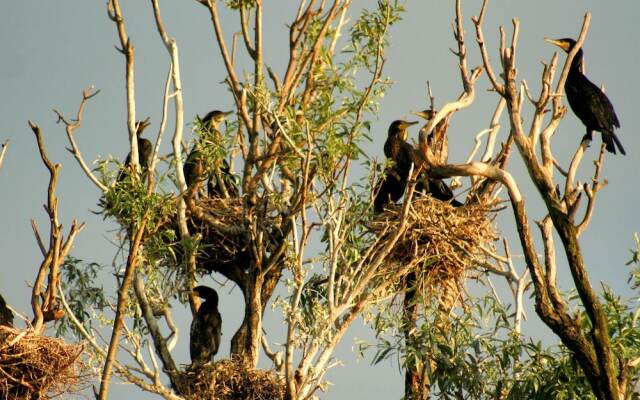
440 241
38 367
224 231
230 379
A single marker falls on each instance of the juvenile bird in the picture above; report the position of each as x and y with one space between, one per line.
206 327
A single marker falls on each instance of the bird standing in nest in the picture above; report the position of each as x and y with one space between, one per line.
391 187
588 102
194 167
206 327
145 151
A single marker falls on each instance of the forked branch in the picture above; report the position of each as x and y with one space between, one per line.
71 126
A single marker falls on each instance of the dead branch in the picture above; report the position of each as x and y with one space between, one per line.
5 147
71 126
463 101
159 342
115 14
592 191
477 21
234 82
172 49
123 294
44 305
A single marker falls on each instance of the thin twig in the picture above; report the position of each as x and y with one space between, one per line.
5 147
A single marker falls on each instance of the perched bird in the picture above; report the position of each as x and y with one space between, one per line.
206 327
396 147
588 102
145 150
390 188
194 168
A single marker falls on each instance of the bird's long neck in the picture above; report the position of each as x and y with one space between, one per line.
576 64
398 134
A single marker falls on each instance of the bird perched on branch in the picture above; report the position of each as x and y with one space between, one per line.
588 102
391 187
194 166
206 327
145 150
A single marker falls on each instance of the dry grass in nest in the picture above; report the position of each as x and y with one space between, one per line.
230 379
225 239
37 367
441 241
224 231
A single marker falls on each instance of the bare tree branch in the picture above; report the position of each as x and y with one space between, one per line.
5 147
44 305
123 294
71 126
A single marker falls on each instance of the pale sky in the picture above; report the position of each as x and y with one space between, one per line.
52 50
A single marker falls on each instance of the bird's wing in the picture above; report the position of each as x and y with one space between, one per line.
591 105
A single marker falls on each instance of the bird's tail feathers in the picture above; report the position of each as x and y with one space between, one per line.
618 143
611 142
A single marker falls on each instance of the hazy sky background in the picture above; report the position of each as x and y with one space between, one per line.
52 50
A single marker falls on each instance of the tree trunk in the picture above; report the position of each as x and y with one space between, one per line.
246 341
416 385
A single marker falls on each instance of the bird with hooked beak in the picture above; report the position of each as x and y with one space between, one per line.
588 102
391 187
194 166
206 327
145 150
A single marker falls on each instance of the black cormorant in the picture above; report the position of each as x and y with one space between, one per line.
194 167
397 149
588 102
206 327
145 150
391 187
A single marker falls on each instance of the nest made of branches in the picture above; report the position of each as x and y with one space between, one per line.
230 379
440 243
38 367
224 231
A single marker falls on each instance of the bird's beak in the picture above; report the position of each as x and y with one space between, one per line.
422 114
227 113
559 43
142 125
407 124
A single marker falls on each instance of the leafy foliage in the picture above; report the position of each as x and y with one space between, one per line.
476 354
83 297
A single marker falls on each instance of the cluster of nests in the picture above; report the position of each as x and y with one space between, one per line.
38 367
440 242
229 379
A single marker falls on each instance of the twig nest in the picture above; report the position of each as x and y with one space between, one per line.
440 241
38 367
230 379
223 227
